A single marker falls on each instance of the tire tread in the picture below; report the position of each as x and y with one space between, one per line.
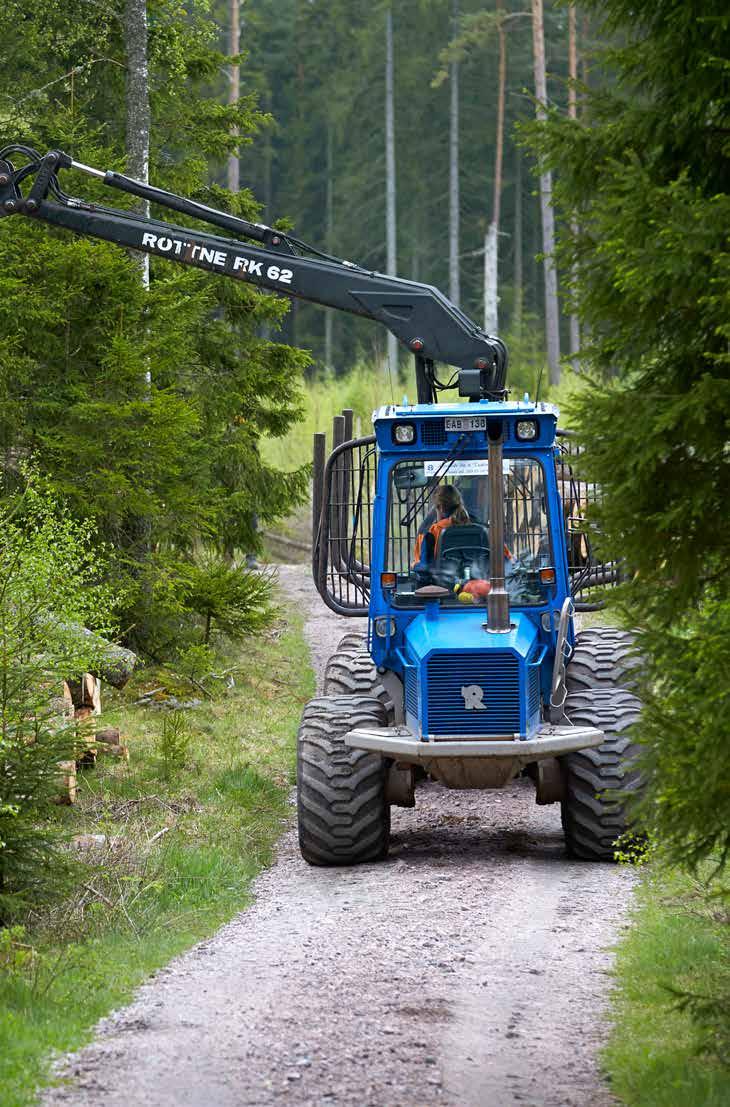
343 815
600 781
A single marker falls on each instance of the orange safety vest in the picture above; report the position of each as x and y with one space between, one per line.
436 530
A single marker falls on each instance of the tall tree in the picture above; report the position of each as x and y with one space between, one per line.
573 114
234 87
176 457
647 165
476 32
138 107
518 281
390 191
491 241
329 318
454 213
552 324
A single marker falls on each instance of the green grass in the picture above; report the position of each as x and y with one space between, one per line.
365 388
183 841
658 1055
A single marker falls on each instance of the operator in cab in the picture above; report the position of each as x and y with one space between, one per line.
452 548
450 510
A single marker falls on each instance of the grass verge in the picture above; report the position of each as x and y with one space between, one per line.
661 1054
164 849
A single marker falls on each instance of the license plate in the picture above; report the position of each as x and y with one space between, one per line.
467 423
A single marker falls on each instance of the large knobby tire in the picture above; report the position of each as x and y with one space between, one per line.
352 673
600 783
352 642
344 817
603 657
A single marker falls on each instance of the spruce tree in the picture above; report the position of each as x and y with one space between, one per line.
80 333
644 173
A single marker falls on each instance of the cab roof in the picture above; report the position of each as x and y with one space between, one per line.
464 426
522 408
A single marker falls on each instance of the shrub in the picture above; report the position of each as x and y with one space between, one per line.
50 591
173 744
227 597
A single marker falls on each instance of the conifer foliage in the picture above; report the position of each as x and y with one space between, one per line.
644 173
143 408
52 588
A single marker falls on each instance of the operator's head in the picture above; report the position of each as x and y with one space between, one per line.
449 504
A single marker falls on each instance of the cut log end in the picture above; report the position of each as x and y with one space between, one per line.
66 783
109 736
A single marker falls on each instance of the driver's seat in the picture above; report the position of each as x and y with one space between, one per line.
461 547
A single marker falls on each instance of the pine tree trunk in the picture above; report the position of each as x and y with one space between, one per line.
518 277
329 239
138 123
535 234
234 45
572 113
454 274
552 325
491 241
491 320
584 57
390 211
138 107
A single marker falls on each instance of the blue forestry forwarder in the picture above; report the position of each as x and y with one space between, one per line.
450 528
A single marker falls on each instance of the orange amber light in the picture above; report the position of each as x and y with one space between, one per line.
547 576
387 580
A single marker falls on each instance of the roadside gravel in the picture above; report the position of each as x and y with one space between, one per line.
469 970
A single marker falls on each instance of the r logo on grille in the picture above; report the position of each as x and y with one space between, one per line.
473 697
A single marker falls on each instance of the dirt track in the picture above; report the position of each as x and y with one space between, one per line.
471 969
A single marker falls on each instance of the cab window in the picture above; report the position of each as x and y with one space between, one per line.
438 529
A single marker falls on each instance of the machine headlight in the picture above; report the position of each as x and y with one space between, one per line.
404 434
526 429
384 626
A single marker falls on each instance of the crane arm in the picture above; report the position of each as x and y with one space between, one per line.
421 317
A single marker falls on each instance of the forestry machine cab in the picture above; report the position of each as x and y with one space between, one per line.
449 529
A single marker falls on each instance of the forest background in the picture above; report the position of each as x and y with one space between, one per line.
322 70
151 411
395 134
145 407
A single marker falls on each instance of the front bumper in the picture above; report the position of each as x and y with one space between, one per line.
400 743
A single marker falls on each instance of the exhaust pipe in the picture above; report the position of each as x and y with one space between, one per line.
498 621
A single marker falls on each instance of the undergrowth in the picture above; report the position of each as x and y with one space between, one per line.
164 848
670 1042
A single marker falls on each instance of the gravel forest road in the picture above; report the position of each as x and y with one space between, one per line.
470 970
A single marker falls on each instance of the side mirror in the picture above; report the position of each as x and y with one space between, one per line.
406 477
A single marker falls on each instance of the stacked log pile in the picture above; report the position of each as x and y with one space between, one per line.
80 704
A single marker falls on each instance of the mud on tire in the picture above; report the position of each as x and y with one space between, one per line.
343 815
594 814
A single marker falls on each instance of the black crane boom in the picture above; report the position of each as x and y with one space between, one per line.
421 317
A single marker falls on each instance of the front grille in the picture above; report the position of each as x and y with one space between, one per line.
411 691
496 674
533 692
433 432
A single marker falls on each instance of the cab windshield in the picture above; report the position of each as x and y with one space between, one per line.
438 530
